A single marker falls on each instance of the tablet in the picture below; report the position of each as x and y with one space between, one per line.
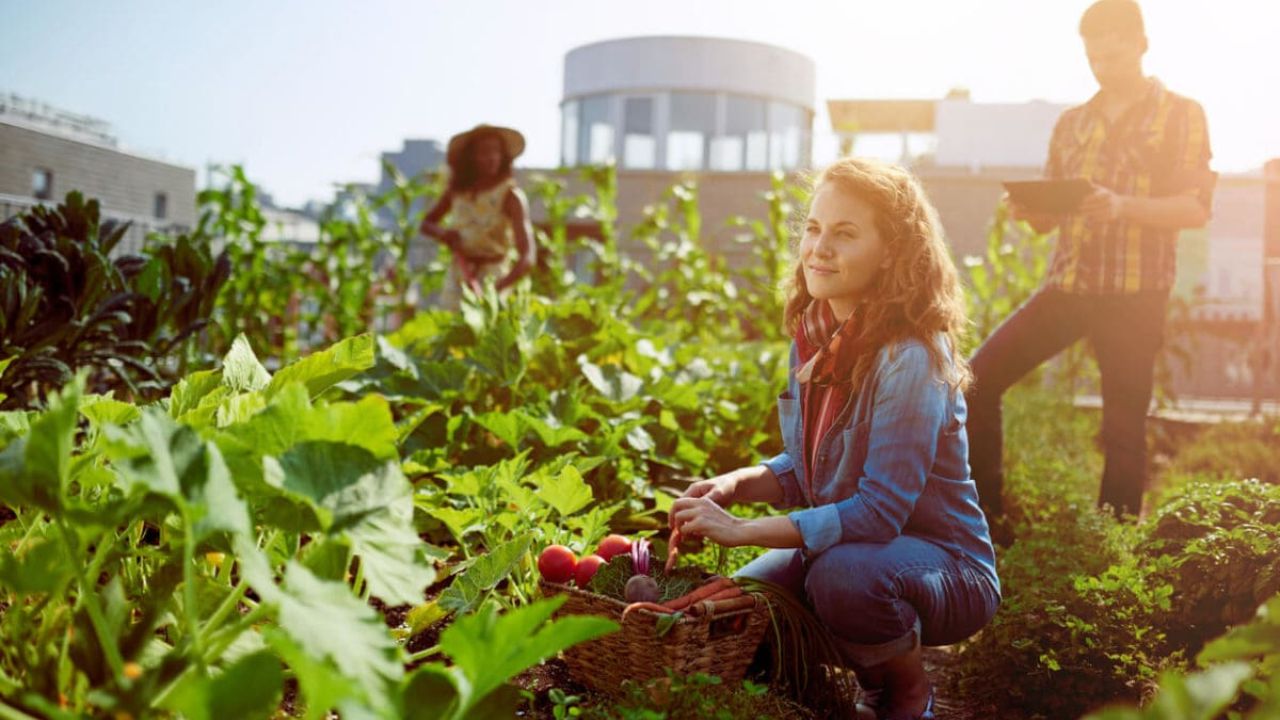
1049 196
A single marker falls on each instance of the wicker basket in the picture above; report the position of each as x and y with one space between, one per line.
721 644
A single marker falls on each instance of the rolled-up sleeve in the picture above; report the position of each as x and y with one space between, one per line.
784 469
910 408
1191 174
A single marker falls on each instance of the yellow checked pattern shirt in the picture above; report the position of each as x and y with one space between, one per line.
1158 148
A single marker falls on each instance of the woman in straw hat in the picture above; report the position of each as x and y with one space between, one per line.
488 230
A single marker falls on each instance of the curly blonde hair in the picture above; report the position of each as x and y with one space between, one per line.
919 295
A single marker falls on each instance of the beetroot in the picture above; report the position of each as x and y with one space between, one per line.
642 588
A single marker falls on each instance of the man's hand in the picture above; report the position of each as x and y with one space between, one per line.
1103 204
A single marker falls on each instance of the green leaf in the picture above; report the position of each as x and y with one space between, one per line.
239 408
329 626
370 499
327 557
552 435
612 382
506 426
1257 638
241 370
459 521
323 686
289 418
320 371
249 688
43 568
490 649
190 391
345 483
566 492
14 423
102 410
640 440
393 557
470 587
34 469
1199 696
159 457
429 694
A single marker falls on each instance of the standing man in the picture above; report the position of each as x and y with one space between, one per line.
1146 151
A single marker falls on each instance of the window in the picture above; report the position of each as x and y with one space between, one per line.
788 136
639 146
161 206
569 134
595 134
42 184
693 122
745 142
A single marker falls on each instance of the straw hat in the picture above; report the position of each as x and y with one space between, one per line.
512 141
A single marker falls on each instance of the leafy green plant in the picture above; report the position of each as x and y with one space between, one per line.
488 649
67 304
1240 672
696 697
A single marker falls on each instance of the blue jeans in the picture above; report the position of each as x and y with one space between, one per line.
881 600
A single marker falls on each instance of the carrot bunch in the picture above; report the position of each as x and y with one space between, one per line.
721 592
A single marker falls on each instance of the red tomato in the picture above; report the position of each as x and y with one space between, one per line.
557 564
613 545
587 567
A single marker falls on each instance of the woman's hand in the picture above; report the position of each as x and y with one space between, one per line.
720 489
703 517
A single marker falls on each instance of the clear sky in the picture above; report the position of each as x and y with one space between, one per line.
308 93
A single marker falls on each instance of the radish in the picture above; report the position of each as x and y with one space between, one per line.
641 587
613 545
587 568
557 564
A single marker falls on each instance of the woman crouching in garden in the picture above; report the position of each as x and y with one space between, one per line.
891 550
488 229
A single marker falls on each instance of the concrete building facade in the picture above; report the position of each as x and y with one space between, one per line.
687 104
46 153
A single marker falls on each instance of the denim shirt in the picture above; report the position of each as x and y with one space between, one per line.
895 462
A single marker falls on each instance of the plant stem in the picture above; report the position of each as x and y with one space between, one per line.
89 599
424 654
9 712
228 606
190 602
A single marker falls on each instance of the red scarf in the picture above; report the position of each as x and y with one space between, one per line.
827 351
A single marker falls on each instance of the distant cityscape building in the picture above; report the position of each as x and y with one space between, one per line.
46 153
687 104
953 132
415 159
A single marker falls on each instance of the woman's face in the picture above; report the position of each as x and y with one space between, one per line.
841 252
486 153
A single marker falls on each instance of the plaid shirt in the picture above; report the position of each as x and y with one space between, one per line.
1159 147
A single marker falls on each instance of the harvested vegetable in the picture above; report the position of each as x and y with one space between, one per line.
613 545
704 592
642 589
557 564
672 550
586 569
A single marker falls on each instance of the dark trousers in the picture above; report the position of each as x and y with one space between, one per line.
1125 331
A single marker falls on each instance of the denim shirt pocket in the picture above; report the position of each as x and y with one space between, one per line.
844 457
